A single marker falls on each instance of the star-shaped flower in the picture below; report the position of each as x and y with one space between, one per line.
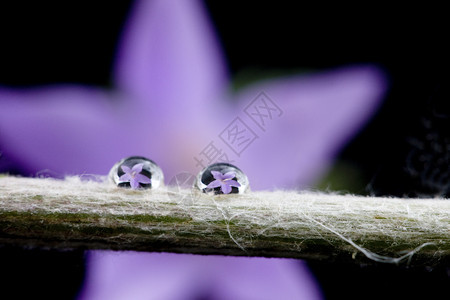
225 181
134 176
169 73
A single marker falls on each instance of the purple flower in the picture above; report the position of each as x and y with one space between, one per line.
225 181
133 275
168 73
133 176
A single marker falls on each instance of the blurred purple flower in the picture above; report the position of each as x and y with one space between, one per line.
225 181
131 275
171 85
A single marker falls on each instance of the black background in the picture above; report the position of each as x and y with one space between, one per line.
404 151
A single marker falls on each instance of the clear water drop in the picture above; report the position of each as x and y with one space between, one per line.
136 172
222 178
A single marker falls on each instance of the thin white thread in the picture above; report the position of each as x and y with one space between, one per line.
369 254
227 222
275 214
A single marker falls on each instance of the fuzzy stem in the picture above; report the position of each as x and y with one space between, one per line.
314 226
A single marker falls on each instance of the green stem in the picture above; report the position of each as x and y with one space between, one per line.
312 226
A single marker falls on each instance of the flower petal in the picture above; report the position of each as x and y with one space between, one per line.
134 183
214 184
229 175
125 169
121 275
142 179
320 113
125 177
170 44
137 168
226 189
217 175
68 130
233 183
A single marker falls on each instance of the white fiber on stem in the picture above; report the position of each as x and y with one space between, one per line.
72 213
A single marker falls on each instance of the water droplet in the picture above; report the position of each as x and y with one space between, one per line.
137 172
222 178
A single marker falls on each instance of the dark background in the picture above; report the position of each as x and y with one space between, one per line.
404 151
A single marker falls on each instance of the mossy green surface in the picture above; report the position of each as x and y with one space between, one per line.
314 226
158 232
